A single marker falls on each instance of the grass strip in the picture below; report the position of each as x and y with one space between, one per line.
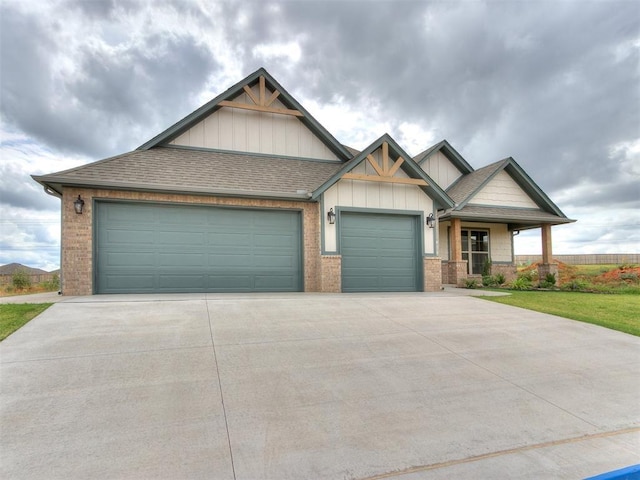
15 315
617 312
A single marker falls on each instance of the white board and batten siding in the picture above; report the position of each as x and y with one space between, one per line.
255 132
376 196
441 170
503 191
499 240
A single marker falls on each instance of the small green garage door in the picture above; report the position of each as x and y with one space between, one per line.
144 248
380 253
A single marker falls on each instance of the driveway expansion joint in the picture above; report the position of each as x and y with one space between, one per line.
499 453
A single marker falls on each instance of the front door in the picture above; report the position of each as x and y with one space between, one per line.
475 249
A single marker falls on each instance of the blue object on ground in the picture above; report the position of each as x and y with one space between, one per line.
628 473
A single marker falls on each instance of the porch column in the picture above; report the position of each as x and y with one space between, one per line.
456 240
547 266
457 267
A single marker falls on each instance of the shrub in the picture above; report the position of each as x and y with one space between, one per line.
549 281
575 285
21 280
53 284
521 283
486 268
528 275
632 277
471 283
493 280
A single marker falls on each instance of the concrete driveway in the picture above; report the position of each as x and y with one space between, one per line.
314 386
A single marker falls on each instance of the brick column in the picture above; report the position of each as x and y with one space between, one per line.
331 273
457 267
432 274
77 244
457 272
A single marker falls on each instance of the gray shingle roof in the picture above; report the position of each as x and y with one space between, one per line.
468 184
519 217
199 171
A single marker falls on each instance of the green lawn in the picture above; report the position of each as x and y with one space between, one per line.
13 316
618 312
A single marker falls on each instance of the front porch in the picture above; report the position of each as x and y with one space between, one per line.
470 252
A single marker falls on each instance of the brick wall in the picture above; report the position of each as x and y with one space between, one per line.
444 265
77 253
432 274
509 271
77 231
331 273
454 273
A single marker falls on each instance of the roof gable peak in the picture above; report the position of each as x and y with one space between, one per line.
268 90
392 158
448 151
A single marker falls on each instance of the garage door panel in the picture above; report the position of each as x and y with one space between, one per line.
229 239
396 263
274 240
127 237
175 218
397 283
278 220
273 283
179 238
230 282
129 259
181 259
192 248
128 214
380 252
230 260
183 282
126 280
284 261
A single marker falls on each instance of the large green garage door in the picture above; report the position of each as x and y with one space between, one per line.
170 248
380 253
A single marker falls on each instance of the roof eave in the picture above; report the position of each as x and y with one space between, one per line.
518 222
57 184
531 187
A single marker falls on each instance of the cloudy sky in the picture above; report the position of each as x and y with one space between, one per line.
554 84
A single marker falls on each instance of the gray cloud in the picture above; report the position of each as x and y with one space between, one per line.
116 97
547 83
25 193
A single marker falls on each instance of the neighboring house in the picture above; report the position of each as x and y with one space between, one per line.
250 193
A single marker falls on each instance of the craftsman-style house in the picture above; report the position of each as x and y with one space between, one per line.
250 193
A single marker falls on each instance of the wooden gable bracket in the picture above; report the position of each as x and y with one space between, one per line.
261 103
385 171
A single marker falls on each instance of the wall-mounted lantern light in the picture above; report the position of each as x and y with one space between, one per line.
78 205
331 216
431 221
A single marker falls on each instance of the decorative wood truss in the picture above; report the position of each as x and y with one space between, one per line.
386 171
261 103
